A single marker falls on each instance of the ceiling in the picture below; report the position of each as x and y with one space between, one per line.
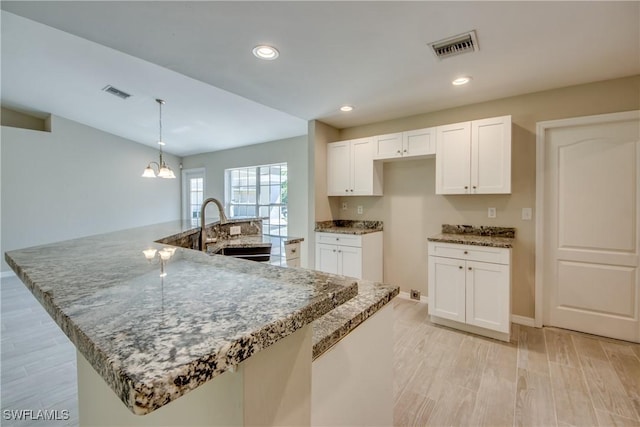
373 55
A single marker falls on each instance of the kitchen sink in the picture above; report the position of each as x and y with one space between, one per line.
259 253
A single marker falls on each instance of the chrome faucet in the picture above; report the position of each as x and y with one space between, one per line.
223 220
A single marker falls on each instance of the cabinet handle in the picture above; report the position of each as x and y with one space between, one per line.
405 151
334 250
337 238
293 251
466 187
352 190
466 252
469 268
339 251
398 151
460 267
346 191
474 187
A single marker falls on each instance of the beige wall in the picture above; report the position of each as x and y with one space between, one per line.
19 120
411 211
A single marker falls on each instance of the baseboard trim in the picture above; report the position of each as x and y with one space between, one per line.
407 296
7 274
523 320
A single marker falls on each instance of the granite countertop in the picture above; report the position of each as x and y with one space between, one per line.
497 237
342 226
339 322
157 324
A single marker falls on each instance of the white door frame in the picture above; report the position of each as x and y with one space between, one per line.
185 189
541 128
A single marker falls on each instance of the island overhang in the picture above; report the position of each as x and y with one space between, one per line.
156 321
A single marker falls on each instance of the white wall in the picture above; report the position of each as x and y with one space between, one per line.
77 181
293 151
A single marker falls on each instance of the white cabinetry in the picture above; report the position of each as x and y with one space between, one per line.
414 143
470 288
358 256
474 157
351 170
292 254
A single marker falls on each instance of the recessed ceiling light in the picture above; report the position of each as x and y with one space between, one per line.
266 52
461 81
346 108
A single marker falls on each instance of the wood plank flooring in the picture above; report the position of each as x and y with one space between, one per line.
544 377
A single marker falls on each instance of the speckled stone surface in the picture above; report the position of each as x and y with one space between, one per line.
293 240
339 322
344 226
156 329
497 237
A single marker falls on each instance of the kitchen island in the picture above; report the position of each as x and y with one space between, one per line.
155 322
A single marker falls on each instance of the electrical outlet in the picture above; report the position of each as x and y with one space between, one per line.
344 206
491 212
526 214
234 230
360 210
415 294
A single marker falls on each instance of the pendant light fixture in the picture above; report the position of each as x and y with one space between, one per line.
164 171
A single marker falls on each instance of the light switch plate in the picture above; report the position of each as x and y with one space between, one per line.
526 214
491 212
234 230
360 210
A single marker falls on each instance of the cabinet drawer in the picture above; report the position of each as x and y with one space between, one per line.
339 239
295 262
470 252
292 250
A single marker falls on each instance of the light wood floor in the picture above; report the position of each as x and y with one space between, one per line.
544 377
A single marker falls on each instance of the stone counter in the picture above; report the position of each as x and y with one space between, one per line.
348 227
497 237
159 323
339 322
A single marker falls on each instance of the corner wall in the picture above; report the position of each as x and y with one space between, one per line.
77 181
411 210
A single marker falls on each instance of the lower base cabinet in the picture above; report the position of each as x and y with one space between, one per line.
470 288
292 254
358 256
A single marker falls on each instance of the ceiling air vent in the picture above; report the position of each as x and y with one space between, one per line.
117 92
462 43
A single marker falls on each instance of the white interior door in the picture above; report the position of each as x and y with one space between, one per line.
591 226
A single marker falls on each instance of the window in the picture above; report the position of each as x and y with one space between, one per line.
259 191
193 193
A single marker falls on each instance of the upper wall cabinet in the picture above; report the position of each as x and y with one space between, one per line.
474 157
351 170
419 142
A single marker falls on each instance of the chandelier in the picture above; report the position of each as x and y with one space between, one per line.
164 171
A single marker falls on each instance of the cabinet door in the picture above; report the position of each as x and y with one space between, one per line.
338 168
453 158
387 146
491 155
447 288
350 261
327 258
487 295
419 142
361 167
